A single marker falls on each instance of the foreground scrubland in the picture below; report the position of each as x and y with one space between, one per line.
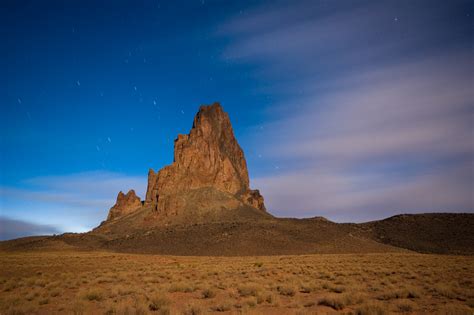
111 283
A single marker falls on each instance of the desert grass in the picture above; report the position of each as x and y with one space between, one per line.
110 283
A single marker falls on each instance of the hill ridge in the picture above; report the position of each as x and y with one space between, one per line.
452 234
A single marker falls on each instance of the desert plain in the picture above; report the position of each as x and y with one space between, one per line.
90 282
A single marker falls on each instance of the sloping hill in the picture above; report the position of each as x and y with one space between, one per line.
441 233
427 233
248 237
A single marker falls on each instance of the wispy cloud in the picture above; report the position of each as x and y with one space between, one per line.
348 195
307 37
375 107
417 109
70 203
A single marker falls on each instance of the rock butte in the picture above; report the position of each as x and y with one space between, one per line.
209 172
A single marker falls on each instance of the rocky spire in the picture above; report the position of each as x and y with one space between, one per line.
125 204
209 157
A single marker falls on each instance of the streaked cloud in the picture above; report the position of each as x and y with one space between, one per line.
374 112
355 196
417 109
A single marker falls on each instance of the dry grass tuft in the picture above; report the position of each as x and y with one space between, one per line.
43 301
447 290
208 293
405 306
335 302
159 303
248 290
93 295
224 307
286 290
181 287
406 293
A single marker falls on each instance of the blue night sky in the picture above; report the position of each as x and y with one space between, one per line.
353 110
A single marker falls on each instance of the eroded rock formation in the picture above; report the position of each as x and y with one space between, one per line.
125 204
209 157
208 175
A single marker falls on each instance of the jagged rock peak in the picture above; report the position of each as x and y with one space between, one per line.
209 157
125 204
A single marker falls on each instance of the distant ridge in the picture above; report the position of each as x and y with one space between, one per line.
428 232
449 233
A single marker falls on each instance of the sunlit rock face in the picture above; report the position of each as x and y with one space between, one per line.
207 178
125 204
207 159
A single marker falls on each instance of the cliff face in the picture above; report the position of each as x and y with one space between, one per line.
208 158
